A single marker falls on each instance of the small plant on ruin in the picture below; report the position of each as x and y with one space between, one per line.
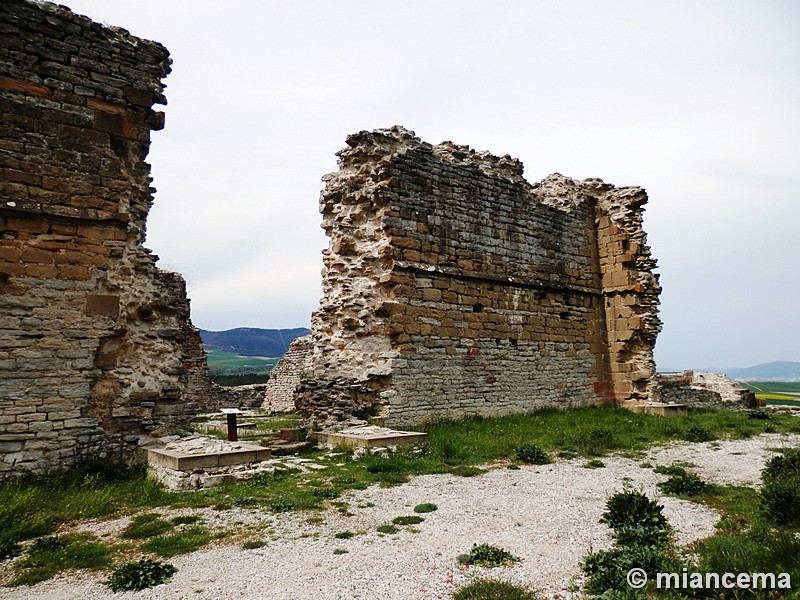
532 454
485 555
425 507
409 520
140 574
486 589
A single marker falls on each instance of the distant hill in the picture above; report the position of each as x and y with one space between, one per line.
251 341
778 370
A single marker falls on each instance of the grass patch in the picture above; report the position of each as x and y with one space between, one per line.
595 463
344 535
488 556
387 528
253 544
409 520
35 506
181 542
146 526
467 471
338 551
50 555
487 589
425 507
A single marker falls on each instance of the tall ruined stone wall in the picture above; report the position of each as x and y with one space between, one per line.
92 334
453 287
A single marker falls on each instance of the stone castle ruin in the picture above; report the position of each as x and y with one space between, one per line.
453 287
94 339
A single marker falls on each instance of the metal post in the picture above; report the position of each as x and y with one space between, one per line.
233 433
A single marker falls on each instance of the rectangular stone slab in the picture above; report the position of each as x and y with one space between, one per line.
392 438
189 462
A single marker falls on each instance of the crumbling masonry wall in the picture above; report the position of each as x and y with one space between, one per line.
284 379
93 336
454 287
704 389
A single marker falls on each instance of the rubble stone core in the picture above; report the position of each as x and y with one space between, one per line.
453 287
93 337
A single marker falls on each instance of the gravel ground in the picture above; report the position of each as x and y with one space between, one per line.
546 515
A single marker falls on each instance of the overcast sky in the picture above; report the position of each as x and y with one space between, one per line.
698 102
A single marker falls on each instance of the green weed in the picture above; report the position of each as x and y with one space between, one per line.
48 556
425 507
140 574
188 540
409 520
146 526
387 528
486 589
488 556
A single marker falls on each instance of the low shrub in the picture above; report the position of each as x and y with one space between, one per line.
488 556
632 508
532 454
253 544
780 492
641 536
783 466
139 575
425 507
780 499
685 484
595 463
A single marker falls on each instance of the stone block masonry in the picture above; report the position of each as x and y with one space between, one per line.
94 339
453 287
